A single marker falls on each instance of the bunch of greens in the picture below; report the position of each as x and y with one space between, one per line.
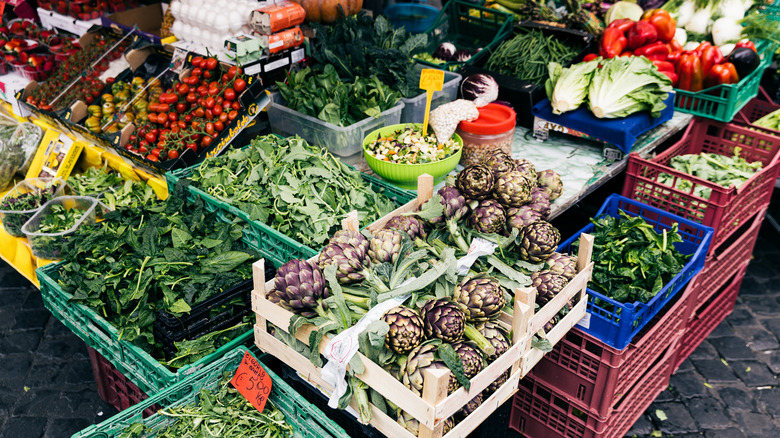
326 97
221 412
298 189
164 257
527 54
770 121
720 169
633 262
111 188
359 46
27 203
58 220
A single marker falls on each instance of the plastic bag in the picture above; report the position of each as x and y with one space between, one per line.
11 158
27 137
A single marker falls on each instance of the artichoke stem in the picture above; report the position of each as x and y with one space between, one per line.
452 226
374 281
482 343
364 303
360 396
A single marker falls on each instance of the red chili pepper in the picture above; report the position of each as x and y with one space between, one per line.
664 24
748 44
689 72
709 57
654 51
622 24
613 42
590 57
641 34
724 73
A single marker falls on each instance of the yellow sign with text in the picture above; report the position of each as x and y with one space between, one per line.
430 80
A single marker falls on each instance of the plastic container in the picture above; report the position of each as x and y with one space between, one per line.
727 208
14 220
40 73
616 323
757 108
493 129
306 419
113 387
47 245
415 17
414 107
341 141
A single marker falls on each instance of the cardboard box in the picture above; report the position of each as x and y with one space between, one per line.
148 19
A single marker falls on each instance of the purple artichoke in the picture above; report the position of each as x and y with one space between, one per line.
299 287
488 217
475 182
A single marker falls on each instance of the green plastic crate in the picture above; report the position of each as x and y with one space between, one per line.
773 10
469 27
136 364
274 245
723 102
307 420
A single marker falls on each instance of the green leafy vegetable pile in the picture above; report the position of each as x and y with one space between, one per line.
27 202
169 256
222 412
111 188
359 46
299 189
633 262
58 220
770 121
326 97
720 169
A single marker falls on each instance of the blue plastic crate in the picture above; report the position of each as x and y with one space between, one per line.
617 327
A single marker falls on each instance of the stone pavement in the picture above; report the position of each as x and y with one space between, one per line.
727 389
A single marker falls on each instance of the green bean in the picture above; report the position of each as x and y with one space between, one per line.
527 54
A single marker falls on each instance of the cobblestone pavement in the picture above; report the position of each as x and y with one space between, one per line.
726 389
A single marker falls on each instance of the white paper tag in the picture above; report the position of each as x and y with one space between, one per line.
585 321
478 248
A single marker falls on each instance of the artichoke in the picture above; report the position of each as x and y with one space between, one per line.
299 287
540 202
385 245
550 182
443 319
406 329
513 188
353 238
420 358
482 298
454 204
525 166
472 361
538 241
488 217
350 260
521 217
498 161
493 387
562 264
408 224
413 426
547 285
497 336
475 182
471 406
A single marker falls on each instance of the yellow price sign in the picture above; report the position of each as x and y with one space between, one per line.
431 80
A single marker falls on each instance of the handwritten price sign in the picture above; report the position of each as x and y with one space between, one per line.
252 381
430 80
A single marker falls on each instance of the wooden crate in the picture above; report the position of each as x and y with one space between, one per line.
435 405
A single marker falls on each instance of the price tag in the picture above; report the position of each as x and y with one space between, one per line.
430 80
252 381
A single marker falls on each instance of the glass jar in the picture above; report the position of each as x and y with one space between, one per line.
493 129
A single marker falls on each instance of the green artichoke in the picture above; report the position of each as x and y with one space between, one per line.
420 358
498 161
470 407
497 336
406 329
488 217
481 297
408 224
351 238
413 426
350 261
493 387
475 182
472 361
443 319
562 264
525 166
540 202
385 246
299 287
520 217
550 182
547 285
538 241
513 188
454 203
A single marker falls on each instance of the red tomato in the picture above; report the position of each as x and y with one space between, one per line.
172 154
142 149
197 61
155 152
183 89
198 112
192 97
196 72
232 115
172 116
150 137
209 102
192 146
232 71
217 110
210 128
219 126
223 117
239 85
151 157
188 118
236 106
211 63
181 107
230 94
206 141
163 107
182 124
209 115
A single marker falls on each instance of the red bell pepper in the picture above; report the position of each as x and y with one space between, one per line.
724 73
613 42
701 48
709 57
622 24
675 51
641 34
590 57
627 54
654 51
664 24
668 69
689 72
748 44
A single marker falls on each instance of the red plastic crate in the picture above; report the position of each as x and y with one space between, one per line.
707 315
594 376
113 387
727 208
760 106
540 411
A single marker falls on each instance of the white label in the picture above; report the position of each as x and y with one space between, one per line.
253 69
298 55
478 248
276 44
276 64
585 321
177 60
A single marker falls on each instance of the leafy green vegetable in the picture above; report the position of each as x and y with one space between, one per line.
626 85
771 121
567 88
720 169
111 188
632 262
298 189
27 202
220 412
326 97
58 220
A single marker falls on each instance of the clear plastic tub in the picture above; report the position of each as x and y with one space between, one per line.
341 141
47 245
494 129
14 219
414 107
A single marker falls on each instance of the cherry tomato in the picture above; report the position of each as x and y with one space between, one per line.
219 126
209 115
183 89
173 116
190 80
192 97
232 115
209 102
143 149
223 117
163 107
172 154
230 94
151 157
89 100
208 74
206 141
239 85
181 107
196 72
181 124
196 61
150 137
188 118
236 106
156 152
198 112
203 90
192 146
162 118
211 63
217 110
210 128
232 71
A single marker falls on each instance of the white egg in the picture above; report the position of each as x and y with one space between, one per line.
221 24
175 8
201 16
177 28
184 13
236 19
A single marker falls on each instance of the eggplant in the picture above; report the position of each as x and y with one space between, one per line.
745 60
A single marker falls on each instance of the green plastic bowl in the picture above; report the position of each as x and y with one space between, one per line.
405 175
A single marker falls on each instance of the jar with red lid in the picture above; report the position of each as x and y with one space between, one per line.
493 129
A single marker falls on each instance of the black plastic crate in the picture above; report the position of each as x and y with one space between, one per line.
523 95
